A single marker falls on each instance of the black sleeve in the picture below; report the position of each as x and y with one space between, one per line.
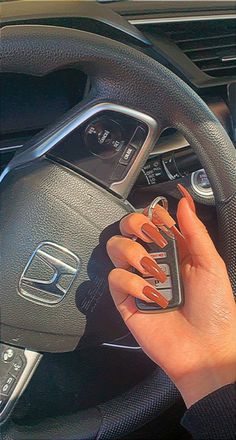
214 417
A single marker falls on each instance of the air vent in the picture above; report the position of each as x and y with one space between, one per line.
211 45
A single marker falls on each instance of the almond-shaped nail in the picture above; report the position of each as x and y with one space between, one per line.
154 235
187 196
153 269
155 296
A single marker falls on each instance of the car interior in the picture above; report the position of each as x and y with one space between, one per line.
105 105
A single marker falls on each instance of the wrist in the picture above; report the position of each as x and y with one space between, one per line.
196 385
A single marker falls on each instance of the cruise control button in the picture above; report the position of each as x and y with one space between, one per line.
8 355
138 137
127 155
7 385
17 366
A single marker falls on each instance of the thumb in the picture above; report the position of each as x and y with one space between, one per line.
199 243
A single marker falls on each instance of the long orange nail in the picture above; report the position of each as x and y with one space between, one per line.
155 296
187 196
154 235
153 269
161 216
165 222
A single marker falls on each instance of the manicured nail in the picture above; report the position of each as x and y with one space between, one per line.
154 235
162 216
155 296
187 196
153 269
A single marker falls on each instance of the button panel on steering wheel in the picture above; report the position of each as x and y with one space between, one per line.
104 147
16 368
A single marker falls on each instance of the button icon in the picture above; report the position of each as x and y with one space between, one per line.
157 255
8 355
17 366
7 385
127 155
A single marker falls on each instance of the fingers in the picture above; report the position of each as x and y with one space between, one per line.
187 196
125 253
141 226
198 241
124 286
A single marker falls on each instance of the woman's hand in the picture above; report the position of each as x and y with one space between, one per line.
195 345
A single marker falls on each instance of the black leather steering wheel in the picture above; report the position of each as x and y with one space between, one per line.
43 201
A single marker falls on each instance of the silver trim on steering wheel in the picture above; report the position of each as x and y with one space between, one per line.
121 187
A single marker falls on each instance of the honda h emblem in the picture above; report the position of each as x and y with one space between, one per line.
49 273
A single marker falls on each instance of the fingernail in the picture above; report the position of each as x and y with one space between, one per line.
153 269
187 196
155 296
162 216
154 235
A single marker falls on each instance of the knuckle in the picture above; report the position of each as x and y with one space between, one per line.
111 243
114 275
134 284
132 219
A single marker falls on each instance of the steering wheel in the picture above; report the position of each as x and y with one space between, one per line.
51 211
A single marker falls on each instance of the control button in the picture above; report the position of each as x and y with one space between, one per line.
138 138
158 255
17 366
104 137
158 285
8 355
3 402
201 184
169 166
165 268
127 155
7 385
118 173
167 294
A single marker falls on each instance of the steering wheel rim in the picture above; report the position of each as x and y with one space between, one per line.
117 71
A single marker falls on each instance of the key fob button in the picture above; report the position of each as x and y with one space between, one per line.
167 293
158 255
165 268
158 285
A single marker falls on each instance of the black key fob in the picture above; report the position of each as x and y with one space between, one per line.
172 288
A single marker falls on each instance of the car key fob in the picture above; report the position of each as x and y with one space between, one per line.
172 289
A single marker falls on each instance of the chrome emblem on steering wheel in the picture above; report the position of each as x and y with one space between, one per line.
49 273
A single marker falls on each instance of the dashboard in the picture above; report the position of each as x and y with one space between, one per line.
196 40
